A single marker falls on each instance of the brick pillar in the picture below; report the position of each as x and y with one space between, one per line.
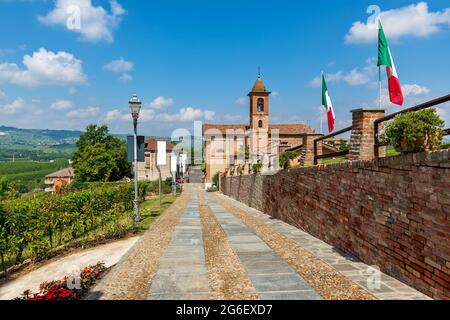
308 144
362 141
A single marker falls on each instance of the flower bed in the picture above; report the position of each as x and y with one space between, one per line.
70 288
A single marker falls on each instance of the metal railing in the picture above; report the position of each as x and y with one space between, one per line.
334 154
418 107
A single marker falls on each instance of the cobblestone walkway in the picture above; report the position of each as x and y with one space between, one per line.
270 275
352 268
272 259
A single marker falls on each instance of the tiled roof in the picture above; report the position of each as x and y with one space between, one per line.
224 127
64 173
284 129
292 128
151 145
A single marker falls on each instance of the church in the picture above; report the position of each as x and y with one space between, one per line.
228 145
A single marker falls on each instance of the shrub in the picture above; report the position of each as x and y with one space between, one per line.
215 179
212 189
38 225
415 131
256 168
286 157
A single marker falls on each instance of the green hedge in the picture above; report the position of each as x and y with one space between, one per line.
38 225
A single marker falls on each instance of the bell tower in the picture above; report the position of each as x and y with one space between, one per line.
259 118
259 106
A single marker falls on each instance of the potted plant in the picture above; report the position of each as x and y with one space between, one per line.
416 131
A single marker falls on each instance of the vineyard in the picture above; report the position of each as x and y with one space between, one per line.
30 174
32 228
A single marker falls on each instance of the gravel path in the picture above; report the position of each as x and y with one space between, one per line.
131 278
329 283
227 277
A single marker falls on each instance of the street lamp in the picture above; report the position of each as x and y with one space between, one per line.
135 106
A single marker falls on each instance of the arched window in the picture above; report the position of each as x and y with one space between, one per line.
260 105
260 124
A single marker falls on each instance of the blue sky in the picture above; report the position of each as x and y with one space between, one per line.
197 60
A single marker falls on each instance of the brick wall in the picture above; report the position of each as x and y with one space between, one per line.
391 212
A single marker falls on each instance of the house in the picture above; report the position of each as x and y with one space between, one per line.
59 179
148 170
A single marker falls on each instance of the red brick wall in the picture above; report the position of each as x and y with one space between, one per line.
393 213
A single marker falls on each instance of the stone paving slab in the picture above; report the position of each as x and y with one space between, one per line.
346 264
182 274
271 276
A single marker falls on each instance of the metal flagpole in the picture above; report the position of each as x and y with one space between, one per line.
379 92
321 107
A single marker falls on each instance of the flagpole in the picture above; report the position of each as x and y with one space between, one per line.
321 107
379 89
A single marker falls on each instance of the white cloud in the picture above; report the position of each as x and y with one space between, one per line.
357 78
61 105
414 89
233 118
93 23
161 102
184 115
2 95
13 107
275 94
331 77
241 101
119 66
44 68
414 20
116 115
126 77
84 113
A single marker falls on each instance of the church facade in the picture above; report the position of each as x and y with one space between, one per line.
228 145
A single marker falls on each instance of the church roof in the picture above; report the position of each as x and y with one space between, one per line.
259 86
284 129
297 128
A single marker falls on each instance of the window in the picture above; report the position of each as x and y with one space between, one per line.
260 124
260 105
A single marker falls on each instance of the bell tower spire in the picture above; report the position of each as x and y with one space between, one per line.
259 104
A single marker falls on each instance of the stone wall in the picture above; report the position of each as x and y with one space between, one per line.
393 212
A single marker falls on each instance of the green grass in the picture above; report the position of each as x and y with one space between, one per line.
334 160
150 210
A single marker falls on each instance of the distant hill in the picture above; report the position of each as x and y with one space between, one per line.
37 137
40 144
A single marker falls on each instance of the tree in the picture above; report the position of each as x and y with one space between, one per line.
100 157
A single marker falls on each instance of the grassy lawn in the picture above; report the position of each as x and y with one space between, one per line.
334 160
151 210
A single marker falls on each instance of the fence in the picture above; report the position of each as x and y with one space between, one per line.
418 107
334 154
377 124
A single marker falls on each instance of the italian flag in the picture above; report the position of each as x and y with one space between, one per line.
326 102
385 59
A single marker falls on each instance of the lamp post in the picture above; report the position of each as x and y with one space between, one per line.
135 106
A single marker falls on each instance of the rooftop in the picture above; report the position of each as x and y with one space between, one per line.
64 173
